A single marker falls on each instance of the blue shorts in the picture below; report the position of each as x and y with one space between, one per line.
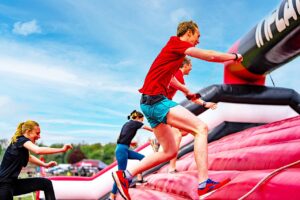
157 113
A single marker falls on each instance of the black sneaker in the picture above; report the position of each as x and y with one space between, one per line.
140 182
173 171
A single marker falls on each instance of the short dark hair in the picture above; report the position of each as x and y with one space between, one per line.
185 61
183 27
135 114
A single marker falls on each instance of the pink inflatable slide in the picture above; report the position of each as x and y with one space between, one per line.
254 134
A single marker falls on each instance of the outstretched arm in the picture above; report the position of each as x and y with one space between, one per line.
147 128
179 86
36 161
45 150
196 99
205 104
176 84
212 56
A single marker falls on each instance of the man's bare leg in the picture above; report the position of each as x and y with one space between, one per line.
165 137
181 118
178 137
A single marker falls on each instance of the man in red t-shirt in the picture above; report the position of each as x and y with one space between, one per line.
177 83
163 114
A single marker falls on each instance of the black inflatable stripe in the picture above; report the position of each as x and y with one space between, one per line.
250 94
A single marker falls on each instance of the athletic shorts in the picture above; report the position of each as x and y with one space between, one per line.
156 113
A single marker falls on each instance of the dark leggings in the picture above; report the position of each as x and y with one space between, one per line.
123 153
26 185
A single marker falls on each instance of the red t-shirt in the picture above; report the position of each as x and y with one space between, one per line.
172 90
164 67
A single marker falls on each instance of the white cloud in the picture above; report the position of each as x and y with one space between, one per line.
113 112
153 4
180 15
286 76
58 76
9 116
90 132
79 136
46 66
26 28
3 101
76 122
9 108
39 71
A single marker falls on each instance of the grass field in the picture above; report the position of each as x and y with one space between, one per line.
30 196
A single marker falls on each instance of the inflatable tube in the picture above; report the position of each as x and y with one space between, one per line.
248 94
270 44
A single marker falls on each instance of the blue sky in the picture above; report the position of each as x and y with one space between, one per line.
75 65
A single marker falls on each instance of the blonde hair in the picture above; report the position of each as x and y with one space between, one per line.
183 27
22 128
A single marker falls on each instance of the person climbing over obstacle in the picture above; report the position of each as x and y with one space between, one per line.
178 83
163 114
17 156
123 153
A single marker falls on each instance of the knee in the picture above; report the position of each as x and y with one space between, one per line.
202 128
47 183
178 136
172 153
141 157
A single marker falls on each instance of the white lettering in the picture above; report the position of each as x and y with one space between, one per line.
298 6
280 25
289 12
258 36
266 30
264 27
269 22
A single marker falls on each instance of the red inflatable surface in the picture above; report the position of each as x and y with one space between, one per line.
245 157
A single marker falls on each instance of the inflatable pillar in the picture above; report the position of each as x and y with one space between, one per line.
270 44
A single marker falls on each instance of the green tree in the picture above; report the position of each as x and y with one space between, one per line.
105 153
1 153
59 157
3 146
108 153
92 151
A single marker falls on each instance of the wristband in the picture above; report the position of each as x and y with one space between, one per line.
197 95
193 96
189 97
236 56
204 104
